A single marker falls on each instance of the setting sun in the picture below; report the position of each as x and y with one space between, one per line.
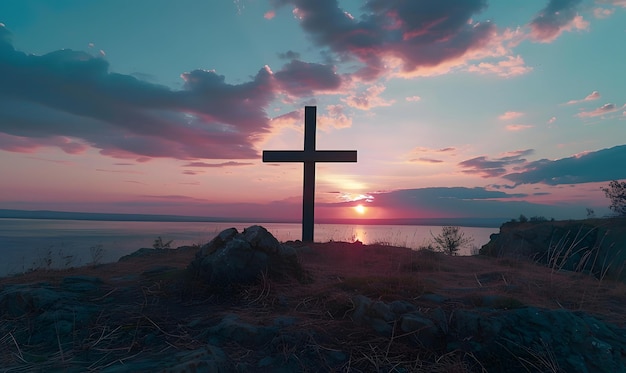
360 209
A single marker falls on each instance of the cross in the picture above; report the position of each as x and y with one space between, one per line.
309 157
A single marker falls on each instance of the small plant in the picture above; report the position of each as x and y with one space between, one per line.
450 240
96 252
159 244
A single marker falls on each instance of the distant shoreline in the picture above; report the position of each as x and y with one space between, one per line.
93 216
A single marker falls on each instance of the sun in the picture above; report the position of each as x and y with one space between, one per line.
360 209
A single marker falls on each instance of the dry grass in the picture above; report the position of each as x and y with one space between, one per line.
165 306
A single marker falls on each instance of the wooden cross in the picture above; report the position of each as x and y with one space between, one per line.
309 157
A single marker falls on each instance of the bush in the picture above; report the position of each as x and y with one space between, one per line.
450 240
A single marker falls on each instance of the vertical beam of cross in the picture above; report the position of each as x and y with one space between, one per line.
309 156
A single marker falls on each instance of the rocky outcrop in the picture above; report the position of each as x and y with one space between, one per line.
240 258
596 246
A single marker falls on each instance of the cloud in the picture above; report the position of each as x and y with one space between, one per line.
598 166
72 95
410 35
425 160
217 165
413 98
551 120
510 115
70 100
336 118
604 109
590 97
269 14
518 127
368 99
621 3
429 155
511 66
289 55
486 167
603 12
303 78
558 16
462 202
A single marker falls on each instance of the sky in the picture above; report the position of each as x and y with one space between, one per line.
457 108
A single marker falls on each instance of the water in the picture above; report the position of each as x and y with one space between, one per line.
31 243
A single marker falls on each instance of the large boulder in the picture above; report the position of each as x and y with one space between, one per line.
239 258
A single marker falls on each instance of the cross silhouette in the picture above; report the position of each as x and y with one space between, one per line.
309 157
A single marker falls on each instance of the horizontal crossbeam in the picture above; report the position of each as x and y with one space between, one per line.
307 156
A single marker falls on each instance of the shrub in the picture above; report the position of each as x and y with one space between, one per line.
450 240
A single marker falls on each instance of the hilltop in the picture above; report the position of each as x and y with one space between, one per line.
355 308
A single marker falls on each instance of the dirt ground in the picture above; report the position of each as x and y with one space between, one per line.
340 269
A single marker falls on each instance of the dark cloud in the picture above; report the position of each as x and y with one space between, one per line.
419 33
598 166
71 100
552 19
289 55
465 202
302 78
494 167
72 95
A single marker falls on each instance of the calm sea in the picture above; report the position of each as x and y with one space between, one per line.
32 243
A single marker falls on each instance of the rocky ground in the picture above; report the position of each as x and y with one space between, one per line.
319 307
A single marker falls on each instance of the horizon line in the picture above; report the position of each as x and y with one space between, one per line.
103 216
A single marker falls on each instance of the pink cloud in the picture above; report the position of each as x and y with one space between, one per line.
590 97
603 12
303 78
217 165
411 37
510 115
413 98
518 127
67 95
511 66
22 144
557 17
269 15
335 118
551 120
430 155
368 99
604 109
621 3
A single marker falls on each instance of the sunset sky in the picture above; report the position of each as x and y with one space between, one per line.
457 108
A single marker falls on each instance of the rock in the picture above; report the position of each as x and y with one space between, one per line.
232 329
571 341
81 284
423 331
547 242
240 258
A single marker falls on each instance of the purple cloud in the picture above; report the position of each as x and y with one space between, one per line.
302 78
556 17
601 165
72 95
494 167
70 100
418 33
